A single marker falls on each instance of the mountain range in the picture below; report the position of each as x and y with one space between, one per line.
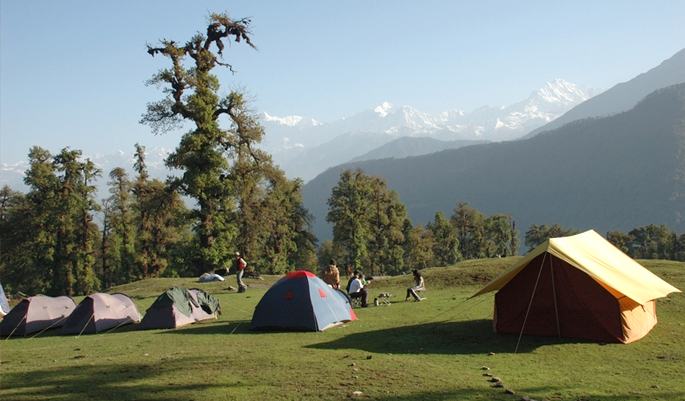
617 172
624 96
617 167
304 147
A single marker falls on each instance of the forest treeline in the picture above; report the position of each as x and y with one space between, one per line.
58 239
228 196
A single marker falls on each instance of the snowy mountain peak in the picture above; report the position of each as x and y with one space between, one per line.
563 92
305 151
383 109
290 121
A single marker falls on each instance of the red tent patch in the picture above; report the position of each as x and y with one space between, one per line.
323 294
289 295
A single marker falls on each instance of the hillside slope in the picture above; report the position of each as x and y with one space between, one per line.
623 96
411 146
618 172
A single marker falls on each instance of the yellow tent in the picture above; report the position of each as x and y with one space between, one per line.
580 287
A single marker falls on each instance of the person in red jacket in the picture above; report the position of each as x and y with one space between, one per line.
240 265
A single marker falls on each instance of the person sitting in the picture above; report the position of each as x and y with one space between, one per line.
418 280
358 290
331 275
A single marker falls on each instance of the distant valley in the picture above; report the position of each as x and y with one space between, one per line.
617 172
515 177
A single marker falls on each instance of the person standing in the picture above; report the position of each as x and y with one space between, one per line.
240 265
331 275
348 271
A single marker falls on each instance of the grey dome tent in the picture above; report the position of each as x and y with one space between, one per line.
37 313
180 307
4 305
98 312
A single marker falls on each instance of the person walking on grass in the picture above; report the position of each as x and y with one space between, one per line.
418 280
240 265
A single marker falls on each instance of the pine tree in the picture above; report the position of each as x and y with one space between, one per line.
202 153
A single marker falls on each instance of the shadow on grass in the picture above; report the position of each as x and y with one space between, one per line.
104 381
464 337
211 327
54 332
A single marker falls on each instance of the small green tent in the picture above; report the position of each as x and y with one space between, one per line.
179 307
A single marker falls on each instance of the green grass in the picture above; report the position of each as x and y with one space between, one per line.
432 350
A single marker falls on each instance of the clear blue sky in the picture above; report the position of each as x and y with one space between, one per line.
72 72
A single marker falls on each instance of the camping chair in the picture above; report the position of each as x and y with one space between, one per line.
384 298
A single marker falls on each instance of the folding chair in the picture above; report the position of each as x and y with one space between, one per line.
383 298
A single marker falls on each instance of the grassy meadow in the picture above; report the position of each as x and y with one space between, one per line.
431 350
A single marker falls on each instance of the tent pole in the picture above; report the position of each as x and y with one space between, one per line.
531 302
84 327
554 296
17 326
49 327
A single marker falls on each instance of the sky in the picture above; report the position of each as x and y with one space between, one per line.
72 73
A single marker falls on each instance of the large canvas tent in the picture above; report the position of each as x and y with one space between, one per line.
179 307
35 314
577 287
100 311
301 301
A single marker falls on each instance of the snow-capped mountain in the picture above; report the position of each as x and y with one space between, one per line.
304 147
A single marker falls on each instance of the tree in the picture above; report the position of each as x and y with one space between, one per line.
348 212
74 270
327 251
502 235
56 225
19 248
192 95
470 226
368 221
160 218
120 230
621 241
653 242
282 228
445 248
537 235
386 220
418 247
